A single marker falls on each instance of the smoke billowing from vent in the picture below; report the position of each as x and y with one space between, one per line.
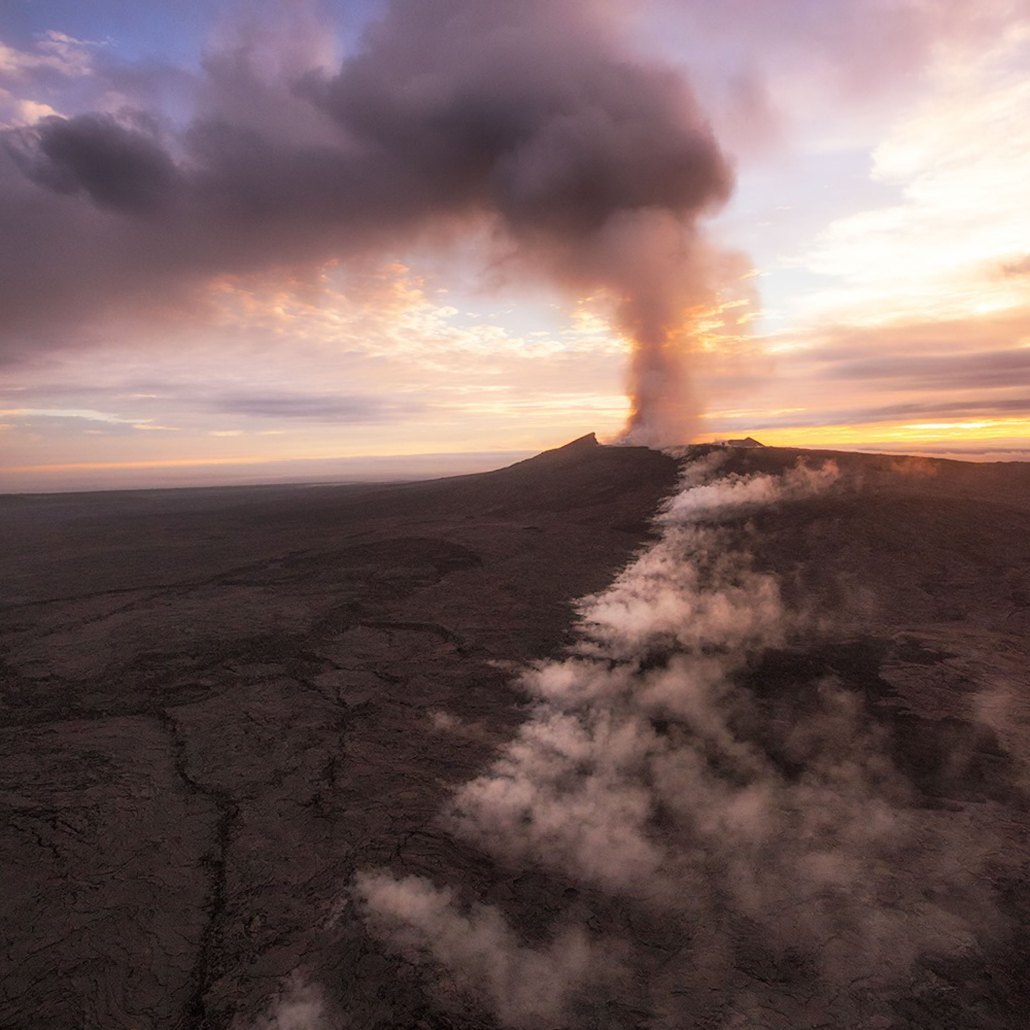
591 165
299 1006
720 846
478 952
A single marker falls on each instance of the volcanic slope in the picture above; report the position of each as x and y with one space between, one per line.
220 707
910 582
216 704
778 779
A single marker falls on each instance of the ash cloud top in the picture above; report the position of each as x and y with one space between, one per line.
592 165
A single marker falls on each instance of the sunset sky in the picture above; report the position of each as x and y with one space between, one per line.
176 309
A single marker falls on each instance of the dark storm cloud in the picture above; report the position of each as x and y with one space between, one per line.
538 118
116 166
533 116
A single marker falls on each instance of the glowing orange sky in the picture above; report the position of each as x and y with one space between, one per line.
881 300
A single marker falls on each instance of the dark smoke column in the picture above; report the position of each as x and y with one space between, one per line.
595 163
531 115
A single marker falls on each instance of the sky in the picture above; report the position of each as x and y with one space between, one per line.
291 241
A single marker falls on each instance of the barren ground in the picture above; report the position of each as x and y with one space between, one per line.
218 704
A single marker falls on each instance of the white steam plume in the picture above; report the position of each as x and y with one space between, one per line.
300 1005
480 954
648 773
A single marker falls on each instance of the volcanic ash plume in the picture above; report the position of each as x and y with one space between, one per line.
734 864
590 164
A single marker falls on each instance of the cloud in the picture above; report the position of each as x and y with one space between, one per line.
55 53
299 1006
589 163
929 336
527 987
955 160
244 166
324 407
924 370
925 411
1000 368
117 166
315 407
827 74
1021 266
62 419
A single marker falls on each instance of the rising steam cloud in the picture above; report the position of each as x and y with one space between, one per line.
721 849
591 165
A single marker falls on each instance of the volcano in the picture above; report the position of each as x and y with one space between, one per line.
224 707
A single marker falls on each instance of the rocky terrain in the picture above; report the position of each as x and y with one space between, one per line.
220 705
